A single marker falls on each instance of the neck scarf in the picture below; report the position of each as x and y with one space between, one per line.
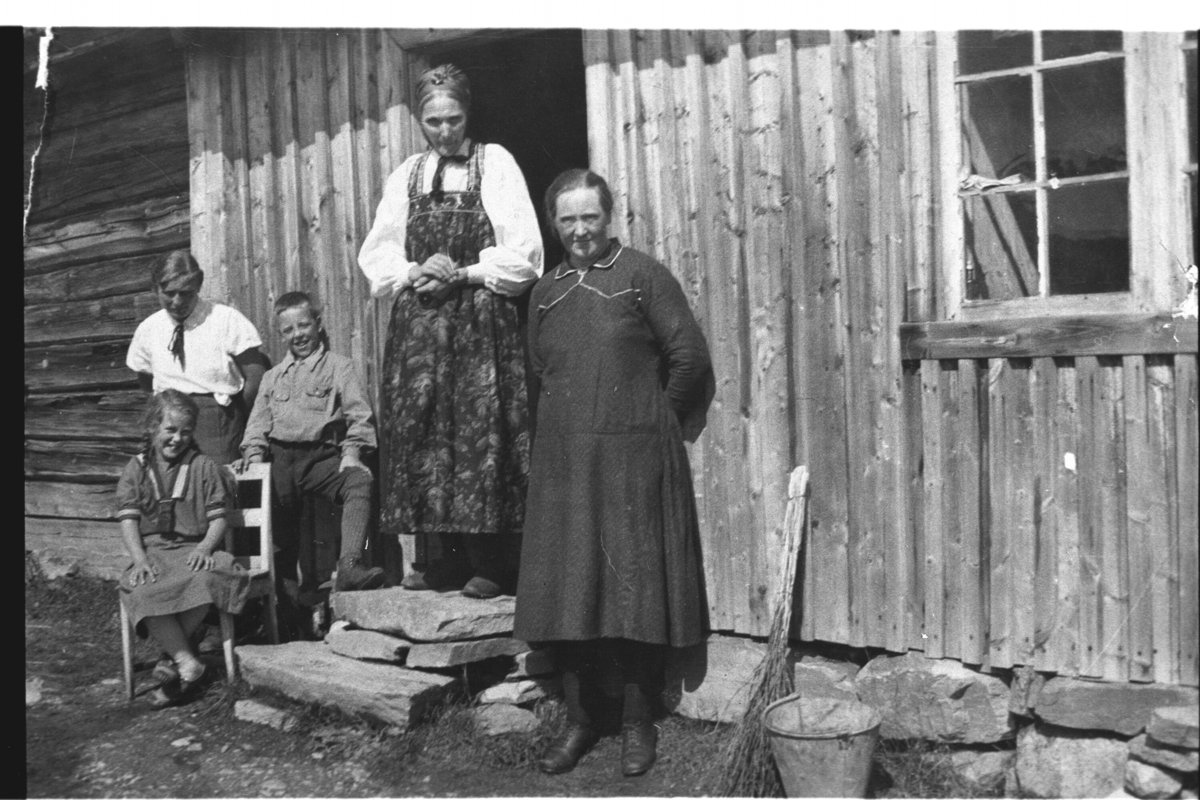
176 345
441 168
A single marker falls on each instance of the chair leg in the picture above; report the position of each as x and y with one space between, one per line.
127 650
227 637
272 615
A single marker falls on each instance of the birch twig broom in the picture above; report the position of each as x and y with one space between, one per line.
747 765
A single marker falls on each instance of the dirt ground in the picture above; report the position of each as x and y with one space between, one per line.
83 739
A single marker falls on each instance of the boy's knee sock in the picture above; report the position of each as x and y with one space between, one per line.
356 513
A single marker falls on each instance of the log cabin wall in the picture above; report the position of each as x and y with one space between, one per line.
973 496
110 194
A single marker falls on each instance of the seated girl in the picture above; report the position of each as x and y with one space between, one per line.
172 511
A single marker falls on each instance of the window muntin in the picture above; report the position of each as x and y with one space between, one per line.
1065 44
1044 191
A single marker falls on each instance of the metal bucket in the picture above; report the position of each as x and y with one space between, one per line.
823 746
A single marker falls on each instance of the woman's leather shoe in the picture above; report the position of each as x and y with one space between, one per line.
563 756
638 742
441 574
481 588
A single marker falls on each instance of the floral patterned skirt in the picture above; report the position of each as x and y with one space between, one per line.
454 416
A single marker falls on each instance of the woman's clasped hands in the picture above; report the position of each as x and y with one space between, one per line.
436 276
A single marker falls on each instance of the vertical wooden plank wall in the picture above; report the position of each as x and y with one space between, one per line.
1079 549
1002 512
790 263
293 136
985 510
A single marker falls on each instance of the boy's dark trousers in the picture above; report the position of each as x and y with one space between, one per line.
299 469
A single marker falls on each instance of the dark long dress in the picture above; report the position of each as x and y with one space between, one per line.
611 544
453 403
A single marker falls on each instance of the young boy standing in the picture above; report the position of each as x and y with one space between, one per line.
311 420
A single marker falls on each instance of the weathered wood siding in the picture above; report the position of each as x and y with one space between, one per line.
796 183
767 169
110 193
1036 509
1059 513
293 135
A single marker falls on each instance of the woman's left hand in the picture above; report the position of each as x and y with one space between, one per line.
198 560
429 286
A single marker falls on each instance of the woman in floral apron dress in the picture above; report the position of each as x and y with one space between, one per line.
456 241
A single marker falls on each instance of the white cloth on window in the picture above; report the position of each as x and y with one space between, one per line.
508 268
213 335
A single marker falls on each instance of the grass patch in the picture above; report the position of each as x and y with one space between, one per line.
918 768
450 735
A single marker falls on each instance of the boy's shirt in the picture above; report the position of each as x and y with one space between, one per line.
314 399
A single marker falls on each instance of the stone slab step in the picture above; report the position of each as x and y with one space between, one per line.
312 673
437 655
426 616
367 645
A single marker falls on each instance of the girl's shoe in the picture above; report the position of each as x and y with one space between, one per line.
177 693
196 683
166 696
165 671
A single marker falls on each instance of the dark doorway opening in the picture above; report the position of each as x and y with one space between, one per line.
528 95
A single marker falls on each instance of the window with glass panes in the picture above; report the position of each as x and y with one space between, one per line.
1044 187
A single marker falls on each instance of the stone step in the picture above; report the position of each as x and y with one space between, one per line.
367 645
439 655
312 673
426 616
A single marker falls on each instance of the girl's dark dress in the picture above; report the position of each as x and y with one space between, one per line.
168 538
453 395
611 545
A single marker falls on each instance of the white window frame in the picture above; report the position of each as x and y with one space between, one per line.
1160 224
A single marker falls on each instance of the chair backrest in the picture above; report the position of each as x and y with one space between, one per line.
254 516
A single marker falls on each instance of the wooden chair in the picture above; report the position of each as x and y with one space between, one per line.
261 568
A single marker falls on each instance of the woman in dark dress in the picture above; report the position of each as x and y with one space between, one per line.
610 565
456 240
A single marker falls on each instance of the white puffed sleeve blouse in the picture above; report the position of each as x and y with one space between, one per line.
507 268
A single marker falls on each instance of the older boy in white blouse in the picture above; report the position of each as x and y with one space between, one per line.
207 350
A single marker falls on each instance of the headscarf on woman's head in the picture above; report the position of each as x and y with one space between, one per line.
444 79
